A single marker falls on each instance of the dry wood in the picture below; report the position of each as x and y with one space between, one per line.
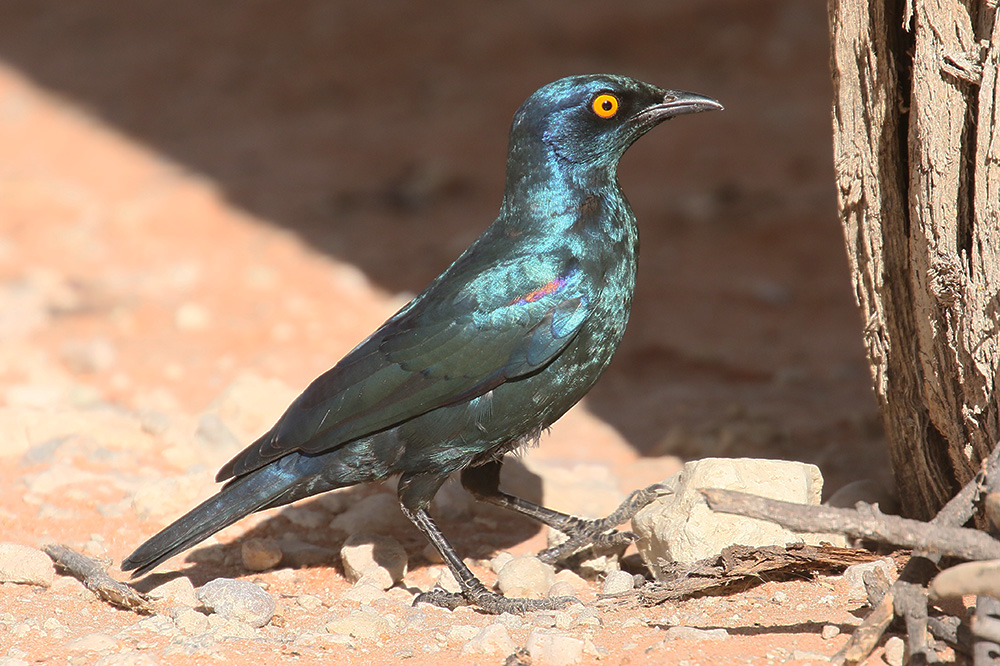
917 156
740 567
865 522
90 572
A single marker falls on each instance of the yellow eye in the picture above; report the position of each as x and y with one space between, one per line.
605 105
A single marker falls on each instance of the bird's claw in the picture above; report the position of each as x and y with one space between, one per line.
491 602
599 535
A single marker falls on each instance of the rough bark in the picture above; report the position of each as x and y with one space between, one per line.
917 157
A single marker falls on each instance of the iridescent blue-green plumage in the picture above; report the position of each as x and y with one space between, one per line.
494 350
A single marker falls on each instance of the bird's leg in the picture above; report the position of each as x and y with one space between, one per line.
413 499
599 534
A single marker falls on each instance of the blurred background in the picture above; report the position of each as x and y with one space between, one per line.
190 192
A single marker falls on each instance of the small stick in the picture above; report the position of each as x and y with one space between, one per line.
866 522
867 635
90 572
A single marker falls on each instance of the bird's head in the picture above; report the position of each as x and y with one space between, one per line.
589 121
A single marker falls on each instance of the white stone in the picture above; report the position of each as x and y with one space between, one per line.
380 560
94 642
526 576
239 600
24 564
554 648
895 650
176 592
854 577
361 624
695 634
618 582
260 554
376 514
493 639
680 527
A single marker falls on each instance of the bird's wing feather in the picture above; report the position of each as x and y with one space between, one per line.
451 344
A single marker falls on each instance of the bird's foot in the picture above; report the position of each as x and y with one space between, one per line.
599 535
491 602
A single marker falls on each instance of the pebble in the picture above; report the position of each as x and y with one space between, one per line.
895 650
191 621
561 589
24 564
554 648
95 642
360 624
176 592
460 633
446 581
260 554
379 560
829 631
221 626
854 576
779 597
238 600
492 639
694 634
376 514
364 592
525 576
499 561
309 601
128 658
618 582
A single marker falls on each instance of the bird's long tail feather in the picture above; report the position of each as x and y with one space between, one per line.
262 488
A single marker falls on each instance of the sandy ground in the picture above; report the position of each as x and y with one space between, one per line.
202 208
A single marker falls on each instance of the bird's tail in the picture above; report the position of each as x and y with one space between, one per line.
268 486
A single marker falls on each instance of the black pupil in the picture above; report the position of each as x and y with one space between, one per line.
606 105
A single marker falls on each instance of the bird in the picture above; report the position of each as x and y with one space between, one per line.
487 357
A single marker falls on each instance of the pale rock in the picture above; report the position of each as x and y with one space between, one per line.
579 583
561 589
191 621
895 651
260 554
88 356
460 633
177 591
375 514
499 561
222 626
364 592
525 576
377 559
310 602
26 565
446 581
239 600
618 582
854 576
493 639
128 658
550 647
680 527
695 634
361 624
829 631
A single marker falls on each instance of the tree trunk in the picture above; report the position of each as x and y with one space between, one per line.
916 127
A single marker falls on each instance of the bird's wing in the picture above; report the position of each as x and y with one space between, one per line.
451 344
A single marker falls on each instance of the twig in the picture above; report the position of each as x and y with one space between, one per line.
867 635
866 522
89 572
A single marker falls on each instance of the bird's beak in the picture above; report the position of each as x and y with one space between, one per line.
677 103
